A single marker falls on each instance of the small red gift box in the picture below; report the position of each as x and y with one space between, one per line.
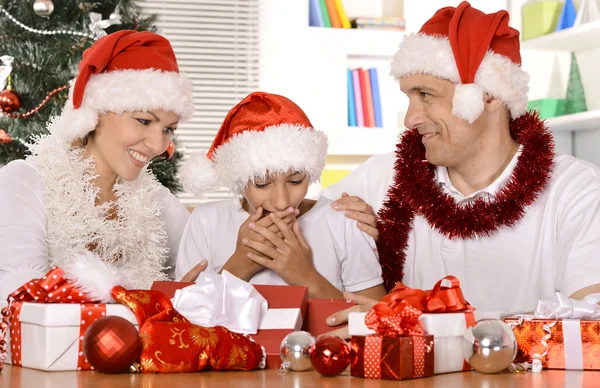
290 300
573 344
392 358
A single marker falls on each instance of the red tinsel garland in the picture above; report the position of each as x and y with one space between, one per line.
416 192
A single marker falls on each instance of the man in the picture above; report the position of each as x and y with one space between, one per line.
475 189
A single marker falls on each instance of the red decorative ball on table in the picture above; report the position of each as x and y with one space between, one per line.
10 101
112 345
330 355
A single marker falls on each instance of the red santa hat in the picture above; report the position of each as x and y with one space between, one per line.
477 51
124 71
264 133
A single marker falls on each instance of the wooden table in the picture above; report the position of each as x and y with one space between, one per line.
16 377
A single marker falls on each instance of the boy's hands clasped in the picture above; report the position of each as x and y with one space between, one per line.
289 255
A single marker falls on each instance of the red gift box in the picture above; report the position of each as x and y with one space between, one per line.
278 297
318 311
392 358
573 344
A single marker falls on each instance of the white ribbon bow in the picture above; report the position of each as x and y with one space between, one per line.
563 307
5 70
97 26
222 300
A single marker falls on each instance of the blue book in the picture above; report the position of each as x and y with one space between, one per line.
315 18
567 16
351 109
376 98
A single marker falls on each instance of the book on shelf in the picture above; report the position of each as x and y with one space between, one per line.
364 98
327 13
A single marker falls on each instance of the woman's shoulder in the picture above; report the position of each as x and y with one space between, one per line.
22 173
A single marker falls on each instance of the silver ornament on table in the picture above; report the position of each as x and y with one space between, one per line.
295 351
43 8
489 346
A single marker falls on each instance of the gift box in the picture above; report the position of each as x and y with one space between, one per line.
317 312
448 330
547 107
287 310
540 17
392 358
573 344
48 336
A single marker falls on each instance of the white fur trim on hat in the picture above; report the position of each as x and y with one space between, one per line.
95 277
126 91
198 175
467 102
432 55
252 154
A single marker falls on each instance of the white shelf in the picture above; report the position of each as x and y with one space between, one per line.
360 41
575 122
362 141
579 38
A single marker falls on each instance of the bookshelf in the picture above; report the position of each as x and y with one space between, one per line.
575 122
579 38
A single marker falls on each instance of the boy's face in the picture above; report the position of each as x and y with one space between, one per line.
277 191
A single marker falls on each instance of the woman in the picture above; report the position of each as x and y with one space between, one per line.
268 152
86 186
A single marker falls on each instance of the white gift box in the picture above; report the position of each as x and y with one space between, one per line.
447 329
50 334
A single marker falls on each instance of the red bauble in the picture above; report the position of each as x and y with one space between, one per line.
10 101
170 150
330 355
111 345
4 138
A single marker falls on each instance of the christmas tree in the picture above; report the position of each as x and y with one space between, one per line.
41 44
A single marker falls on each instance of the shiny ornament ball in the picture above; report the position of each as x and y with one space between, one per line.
489 346
112 345
10 101
330 356
43 8
295 350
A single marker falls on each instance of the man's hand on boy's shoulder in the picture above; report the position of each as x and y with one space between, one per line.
357 209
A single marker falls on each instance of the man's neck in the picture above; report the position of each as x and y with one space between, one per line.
488 165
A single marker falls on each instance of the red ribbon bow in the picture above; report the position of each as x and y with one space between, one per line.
397 314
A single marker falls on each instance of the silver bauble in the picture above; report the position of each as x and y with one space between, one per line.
489 346
295 350
43 8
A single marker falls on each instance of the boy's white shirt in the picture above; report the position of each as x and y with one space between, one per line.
342 253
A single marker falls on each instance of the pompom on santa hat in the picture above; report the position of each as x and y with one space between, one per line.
123 72
264 133
477 51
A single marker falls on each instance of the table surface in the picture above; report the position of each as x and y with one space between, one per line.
17 377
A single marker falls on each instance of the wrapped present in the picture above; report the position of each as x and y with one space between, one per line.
540 17
287 306
48 336
399 350
563 333
446 316
317 312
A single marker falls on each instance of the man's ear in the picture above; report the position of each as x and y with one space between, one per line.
491 103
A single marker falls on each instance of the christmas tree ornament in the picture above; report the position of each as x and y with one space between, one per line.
170 152
5 70
10 101
43 8
112 345
43 32
489 346
97 25
575 100
330 356
4 138
41 104
295 351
